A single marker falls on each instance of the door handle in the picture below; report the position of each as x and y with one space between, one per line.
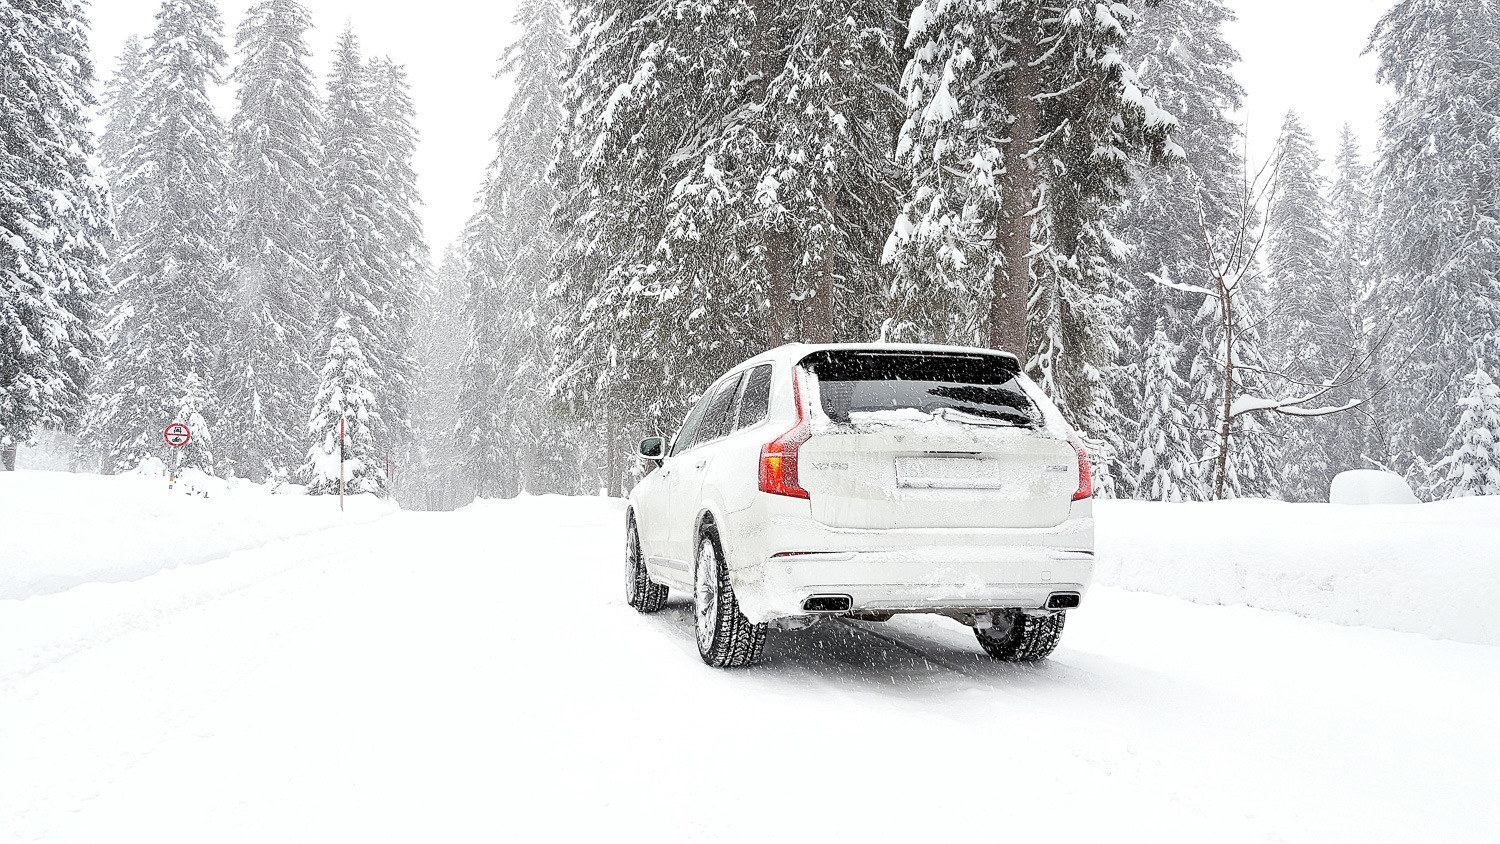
700 464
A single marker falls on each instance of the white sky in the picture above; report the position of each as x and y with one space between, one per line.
1301 54
1305 55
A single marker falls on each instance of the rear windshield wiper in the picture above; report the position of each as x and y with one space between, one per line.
970 418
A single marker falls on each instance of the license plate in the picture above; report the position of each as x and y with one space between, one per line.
947 473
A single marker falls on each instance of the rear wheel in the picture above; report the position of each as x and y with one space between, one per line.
640 591
1018 637
726 639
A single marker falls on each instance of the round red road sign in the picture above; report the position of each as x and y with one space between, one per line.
177 434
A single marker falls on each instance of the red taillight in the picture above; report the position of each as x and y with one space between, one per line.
1085 475
778 459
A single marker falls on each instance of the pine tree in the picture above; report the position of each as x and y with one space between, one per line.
1316 334
354 274
436 480
1471 465
1167 468
54 217
513 440
121 104
401 257
168 318
1352 206
1298 258
274 136
344 421
1439 229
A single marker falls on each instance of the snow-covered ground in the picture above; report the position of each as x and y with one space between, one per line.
476 676
58 530
1422 568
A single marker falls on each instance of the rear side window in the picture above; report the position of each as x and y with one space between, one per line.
856 386
756 401
718 420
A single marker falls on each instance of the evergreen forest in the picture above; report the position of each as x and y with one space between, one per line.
678 185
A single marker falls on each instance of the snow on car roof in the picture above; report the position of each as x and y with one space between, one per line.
796 351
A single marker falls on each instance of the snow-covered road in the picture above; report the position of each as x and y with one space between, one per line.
476 676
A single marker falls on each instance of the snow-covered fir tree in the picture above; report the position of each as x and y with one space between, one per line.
273 193
1167 468
54 217
1471 463
511 437
345 420
1352 210
1312 316
1184 61
1439 231
121 102
402 257
990 240
436 480
167 320
1313 319
353 272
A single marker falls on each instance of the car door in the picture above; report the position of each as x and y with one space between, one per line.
734 464
654 523
686 483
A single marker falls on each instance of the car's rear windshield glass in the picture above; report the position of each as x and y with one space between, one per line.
854 386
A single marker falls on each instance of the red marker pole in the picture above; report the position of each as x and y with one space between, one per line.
341 464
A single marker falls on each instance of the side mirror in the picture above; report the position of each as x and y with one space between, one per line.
653 448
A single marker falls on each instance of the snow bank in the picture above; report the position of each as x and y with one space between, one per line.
1370 486
1424 568
58 530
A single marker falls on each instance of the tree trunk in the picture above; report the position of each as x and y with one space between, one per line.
1007 317
8 457
784 324
1226 315
611 453
824 327
783 317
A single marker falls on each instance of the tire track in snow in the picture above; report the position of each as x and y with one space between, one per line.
102 612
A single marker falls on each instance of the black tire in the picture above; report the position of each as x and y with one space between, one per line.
726 639
641 591
1027 638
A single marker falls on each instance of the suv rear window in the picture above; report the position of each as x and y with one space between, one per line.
966 387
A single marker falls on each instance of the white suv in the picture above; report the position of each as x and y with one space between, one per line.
865 481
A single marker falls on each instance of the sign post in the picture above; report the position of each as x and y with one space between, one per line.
177 435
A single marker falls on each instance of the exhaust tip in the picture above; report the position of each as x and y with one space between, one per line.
1062 600
827 603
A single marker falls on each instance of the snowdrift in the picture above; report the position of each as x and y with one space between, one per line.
1422 568
58 530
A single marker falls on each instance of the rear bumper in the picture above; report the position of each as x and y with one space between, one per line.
934 570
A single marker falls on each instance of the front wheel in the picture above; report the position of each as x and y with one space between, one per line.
726 639
1018 637
641 591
